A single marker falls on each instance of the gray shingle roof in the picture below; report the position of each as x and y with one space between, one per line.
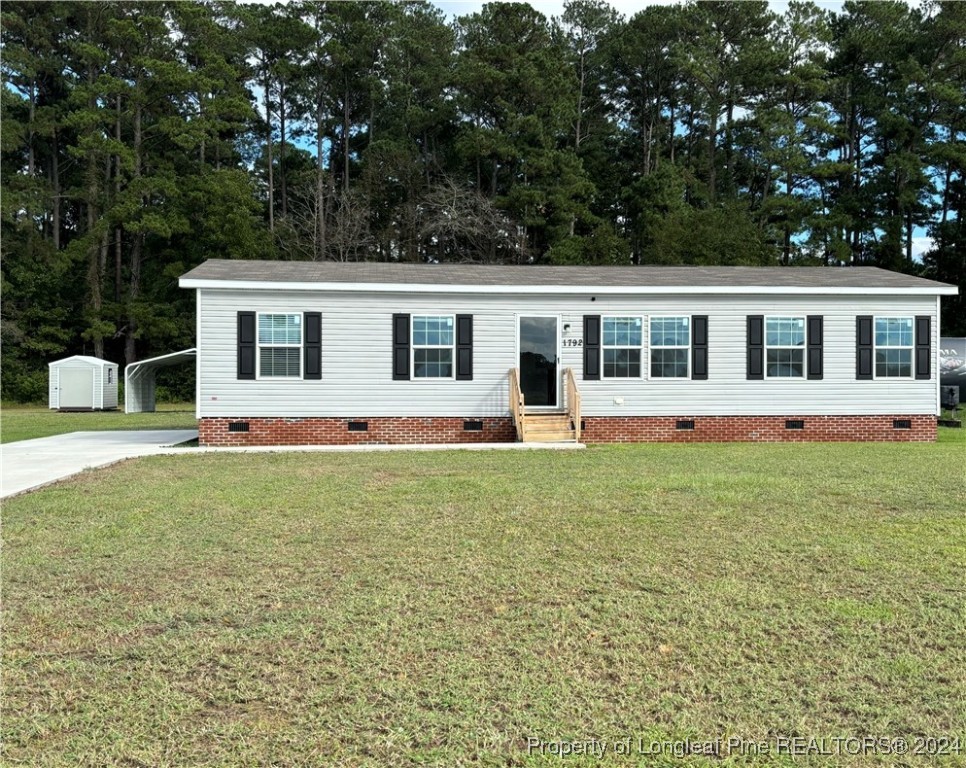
492 275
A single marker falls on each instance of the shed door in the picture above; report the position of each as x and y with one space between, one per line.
76 387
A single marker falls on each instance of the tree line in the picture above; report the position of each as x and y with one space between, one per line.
140 138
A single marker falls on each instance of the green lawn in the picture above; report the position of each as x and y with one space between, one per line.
24 422
408 608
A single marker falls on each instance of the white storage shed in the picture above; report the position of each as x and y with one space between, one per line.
83 383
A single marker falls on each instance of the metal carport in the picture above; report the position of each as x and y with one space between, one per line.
139 379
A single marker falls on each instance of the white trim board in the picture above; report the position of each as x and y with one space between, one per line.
600 290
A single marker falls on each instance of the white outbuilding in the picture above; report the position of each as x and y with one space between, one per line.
139 380
83 383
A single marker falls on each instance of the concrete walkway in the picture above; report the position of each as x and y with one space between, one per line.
28 464
368 447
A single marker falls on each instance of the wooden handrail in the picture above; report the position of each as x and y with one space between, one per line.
517 405
573 401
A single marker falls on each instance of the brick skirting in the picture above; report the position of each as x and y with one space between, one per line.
384 430
757 429
597 429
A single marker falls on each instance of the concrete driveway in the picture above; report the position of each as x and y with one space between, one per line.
30 464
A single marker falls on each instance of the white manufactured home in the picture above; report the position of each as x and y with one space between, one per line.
82 383
339 353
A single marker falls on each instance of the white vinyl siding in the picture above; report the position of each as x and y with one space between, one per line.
357 355
109 391
894 340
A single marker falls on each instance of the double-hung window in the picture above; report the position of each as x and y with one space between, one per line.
279 345
622 342
785 347
433 343
670 340
893 347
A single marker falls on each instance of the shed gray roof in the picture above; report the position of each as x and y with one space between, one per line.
565 277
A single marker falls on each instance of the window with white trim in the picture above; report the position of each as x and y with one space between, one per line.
622 341
670 340
279 346
894 340
785 347
434 339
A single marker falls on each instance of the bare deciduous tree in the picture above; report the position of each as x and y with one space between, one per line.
460 224
350 236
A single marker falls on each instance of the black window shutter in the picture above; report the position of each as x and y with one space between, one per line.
246 345
923 347
464 347
592 347
756 346
400 347
699 347
313 345
863 347
815 342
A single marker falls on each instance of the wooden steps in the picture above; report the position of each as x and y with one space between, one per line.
548 428
554 426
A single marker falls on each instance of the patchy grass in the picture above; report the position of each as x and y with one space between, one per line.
951 435
22 422
390 609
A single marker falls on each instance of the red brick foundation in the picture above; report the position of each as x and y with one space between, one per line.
382 430
387 430
756 429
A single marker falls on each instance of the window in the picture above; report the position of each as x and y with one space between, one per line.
110 375
670 347
893 347
785 347
279 346
622 347
433 342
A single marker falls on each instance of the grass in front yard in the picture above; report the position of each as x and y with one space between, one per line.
25 422
440 608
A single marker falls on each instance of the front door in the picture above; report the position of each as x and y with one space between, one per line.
539 345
